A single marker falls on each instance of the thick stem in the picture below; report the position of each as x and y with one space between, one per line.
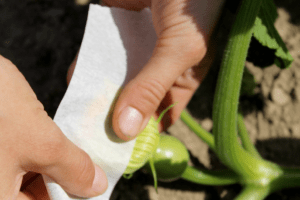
205 177
227 96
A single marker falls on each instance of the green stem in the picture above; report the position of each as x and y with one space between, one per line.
198 130
164 112
289 178
227 96
253 192
206 177
153 170
246 142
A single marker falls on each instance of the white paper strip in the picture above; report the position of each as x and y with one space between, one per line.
116 45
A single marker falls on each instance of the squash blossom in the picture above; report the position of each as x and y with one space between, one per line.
144 148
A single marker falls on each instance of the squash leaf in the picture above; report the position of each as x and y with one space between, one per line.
265 32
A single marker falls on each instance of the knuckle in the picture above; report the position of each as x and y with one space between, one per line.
188 49
151 92
50 150
194 50
34 106
85 170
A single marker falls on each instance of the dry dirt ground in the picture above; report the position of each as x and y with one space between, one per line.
42 37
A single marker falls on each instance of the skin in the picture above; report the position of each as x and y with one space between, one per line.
174 71
177 66
31 144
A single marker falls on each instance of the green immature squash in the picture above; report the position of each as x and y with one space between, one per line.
170 158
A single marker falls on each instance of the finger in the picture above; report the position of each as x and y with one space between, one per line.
10 177
182 43
142 95
61 160
184 88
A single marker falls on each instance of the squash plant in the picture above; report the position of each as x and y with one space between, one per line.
259 177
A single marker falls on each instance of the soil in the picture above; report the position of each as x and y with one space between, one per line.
42 38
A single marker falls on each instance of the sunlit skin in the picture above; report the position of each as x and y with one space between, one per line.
31 144
177 66
173 73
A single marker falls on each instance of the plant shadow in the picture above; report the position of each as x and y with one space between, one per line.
292 7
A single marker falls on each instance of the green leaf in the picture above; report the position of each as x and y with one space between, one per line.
265 32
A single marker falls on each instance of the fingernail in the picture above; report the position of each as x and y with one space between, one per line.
130 121
100 181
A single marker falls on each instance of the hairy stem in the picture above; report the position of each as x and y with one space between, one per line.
227 96
206 177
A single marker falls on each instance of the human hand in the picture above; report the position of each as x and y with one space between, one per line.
31 142
173 73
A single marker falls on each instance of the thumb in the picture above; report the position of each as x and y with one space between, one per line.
182 34
65 163
142 95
